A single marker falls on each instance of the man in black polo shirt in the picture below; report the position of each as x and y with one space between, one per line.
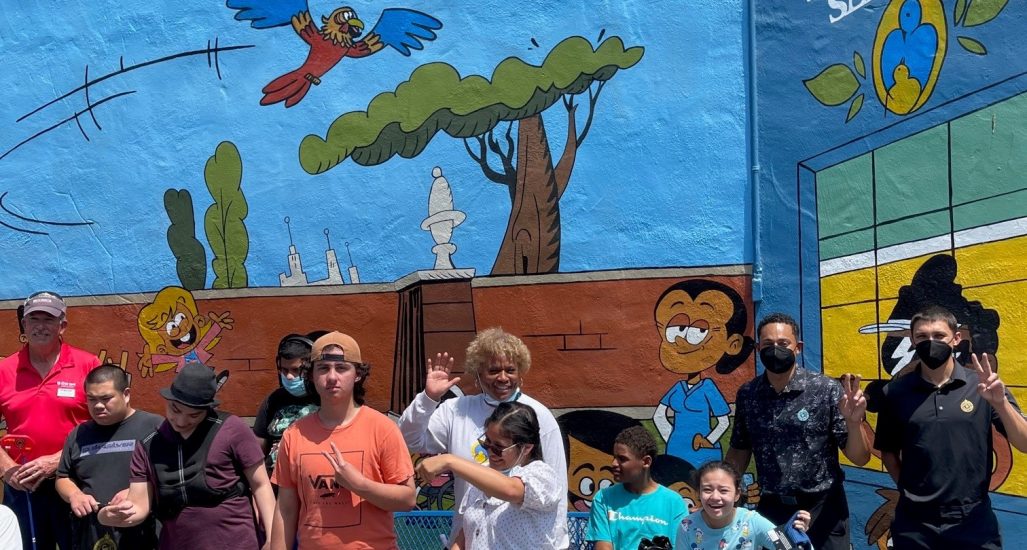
934 434
794 421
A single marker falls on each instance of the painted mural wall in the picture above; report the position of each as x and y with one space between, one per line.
201 178
892 158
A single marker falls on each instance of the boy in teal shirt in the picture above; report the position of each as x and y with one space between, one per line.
636 507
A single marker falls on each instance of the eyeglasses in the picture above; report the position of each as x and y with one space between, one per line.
492 447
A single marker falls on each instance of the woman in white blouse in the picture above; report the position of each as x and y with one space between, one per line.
513 503
498 362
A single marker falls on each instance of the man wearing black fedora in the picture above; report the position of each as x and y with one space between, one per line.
199 469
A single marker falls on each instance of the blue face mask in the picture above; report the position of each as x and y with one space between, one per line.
493 402
294 386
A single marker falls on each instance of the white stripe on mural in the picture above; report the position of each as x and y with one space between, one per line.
904 251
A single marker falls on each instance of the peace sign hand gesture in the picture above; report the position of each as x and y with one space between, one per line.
988 383
438 382
853 404
348 476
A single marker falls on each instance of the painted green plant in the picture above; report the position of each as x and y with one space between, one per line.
190 256
838 84
224 221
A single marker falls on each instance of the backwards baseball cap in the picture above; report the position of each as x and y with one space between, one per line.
47 302
350 349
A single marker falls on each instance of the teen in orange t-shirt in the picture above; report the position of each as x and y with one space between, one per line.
343 470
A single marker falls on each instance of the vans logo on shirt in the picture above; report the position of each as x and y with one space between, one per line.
325 483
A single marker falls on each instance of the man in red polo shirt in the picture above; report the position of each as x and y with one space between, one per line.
42 396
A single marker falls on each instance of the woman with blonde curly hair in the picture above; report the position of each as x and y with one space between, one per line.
498 361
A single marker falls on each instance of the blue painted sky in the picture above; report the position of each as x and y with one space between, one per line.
660 181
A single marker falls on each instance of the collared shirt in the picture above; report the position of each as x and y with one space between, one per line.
45 408
943 434
794 435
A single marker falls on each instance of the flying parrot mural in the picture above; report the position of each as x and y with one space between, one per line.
338 37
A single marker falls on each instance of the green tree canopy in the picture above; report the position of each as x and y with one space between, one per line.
436 98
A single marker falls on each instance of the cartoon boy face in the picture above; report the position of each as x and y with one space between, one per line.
694 332
590 472
179 330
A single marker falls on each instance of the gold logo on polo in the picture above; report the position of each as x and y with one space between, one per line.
966 406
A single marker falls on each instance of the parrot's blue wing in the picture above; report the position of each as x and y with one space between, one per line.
405 29
264 14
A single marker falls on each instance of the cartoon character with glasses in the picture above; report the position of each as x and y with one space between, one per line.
702 325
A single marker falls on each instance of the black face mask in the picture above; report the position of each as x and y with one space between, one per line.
777 359
933 353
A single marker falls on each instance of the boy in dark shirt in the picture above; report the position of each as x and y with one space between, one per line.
95 461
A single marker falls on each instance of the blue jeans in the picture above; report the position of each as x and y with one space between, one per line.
50 515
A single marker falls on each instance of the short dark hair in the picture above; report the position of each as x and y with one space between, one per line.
778 318
109 372
294 346
718 465
931 314
520 423
639 440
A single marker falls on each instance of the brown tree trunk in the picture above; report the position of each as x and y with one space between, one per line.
532 240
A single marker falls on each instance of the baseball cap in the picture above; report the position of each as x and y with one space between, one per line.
350 349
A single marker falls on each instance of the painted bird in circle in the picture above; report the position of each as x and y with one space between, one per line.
340 35
908 58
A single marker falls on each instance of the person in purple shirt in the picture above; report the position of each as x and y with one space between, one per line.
197 474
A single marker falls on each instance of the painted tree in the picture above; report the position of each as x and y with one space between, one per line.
224 221
190 257
483 112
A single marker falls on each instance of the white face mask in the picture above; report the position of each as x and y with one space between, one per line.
520 457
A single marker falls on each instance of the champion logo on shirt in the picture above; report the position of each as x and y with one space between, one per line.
614 515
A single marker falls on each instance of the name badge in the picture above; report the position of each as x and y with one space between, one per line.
65 389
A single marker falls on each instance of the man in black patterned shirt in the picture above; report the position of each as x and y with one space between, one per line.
794 421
